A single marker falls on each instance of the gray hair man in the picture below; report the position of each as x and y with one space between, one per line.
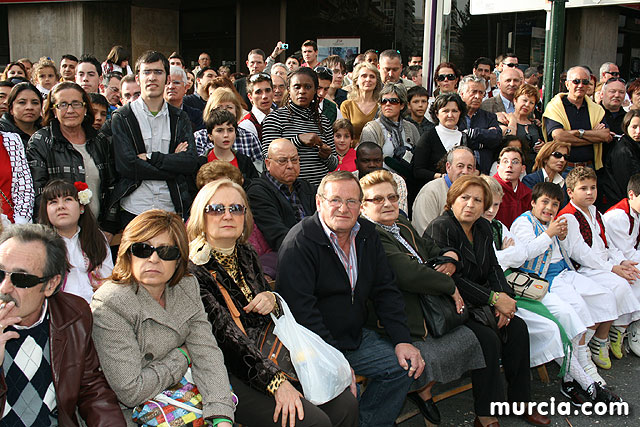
174 92
430 201
332 300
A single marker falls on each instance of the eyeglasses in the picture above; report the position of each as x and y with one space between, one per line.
336 202
254 77
154 72
443 77
616 79
510 64
392 101
219 209
514 162
559 155
613 73
75 105
284 160
583 81
378 200
322 69
114 89
144 250
23 280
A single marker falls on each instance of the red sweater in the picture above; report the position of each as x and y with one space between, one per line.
514 203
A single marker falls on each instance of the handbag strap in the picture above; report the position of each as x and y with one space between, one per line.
235 314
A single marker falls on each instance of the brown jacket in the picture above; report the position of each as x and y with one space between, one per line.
78 380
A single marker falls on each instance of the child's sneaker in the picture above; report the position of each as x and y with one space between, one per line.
600 353
616 337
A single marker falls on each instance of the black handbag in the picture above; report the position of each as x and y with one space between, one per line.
439 311
485 315
440 314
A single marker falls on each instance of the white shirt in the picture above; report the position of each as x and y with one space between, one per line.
535 245
558 179
596 257
79 281
616 223
156 134
248 125
513 256
449 137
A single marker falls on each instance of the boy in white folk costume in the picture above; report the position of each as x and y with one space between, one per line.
622 222
555 328
587 245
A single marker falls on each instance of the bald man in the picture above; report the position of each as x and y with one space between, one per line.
279 199
574 118
509 81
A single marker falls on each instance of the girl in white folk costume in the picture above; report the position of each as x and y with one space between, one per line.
555 328
622 222
64 207
587 245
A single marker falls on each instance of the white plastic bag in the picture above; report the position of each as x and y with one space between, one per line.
322 370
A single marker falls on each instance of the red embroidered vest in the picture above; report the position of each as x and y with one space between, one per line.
585 228
252 118
624 205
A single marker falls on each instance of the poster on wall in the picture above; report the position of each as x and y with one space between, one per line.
346 47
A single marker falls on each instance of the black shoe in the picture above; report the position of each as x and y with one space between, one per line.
428 408
575 393
603 394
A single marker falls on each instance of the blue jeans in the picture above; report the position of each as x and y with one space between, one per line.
388 385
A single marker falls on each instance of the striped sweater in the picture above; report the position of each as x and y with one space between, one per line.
291 121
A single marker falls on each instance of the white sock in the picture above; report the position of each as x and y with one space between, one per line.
588 335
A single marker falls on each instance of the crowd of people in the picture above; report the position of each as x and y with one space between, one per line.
150 212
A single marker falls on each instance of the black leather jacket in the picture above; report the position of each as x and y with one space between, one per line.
51 155
178 169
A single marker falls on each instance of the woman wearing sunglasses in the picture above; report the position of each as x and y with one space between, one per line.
230 276
68 147
458 351
64 207
549 165
622 161
396 136
149 322
446 78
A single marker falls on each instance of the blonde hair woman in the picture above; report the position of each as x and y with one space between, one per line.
362 103
231 280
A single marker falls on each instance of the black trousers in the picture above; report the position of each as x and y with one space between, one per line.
256 408
487 382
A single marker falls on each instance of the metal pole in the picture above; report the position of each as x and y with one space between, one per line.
554 49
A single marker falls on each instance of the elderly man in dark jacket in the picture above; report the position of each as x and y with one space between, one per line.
279 199
48 356
154 149
330 266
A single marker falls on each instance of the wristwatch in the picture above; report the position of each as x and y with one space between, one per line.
580 133
507 131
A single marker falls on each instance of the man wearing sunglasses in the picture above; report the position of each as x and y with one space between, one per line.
50 369
574 118
608 70
280 199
